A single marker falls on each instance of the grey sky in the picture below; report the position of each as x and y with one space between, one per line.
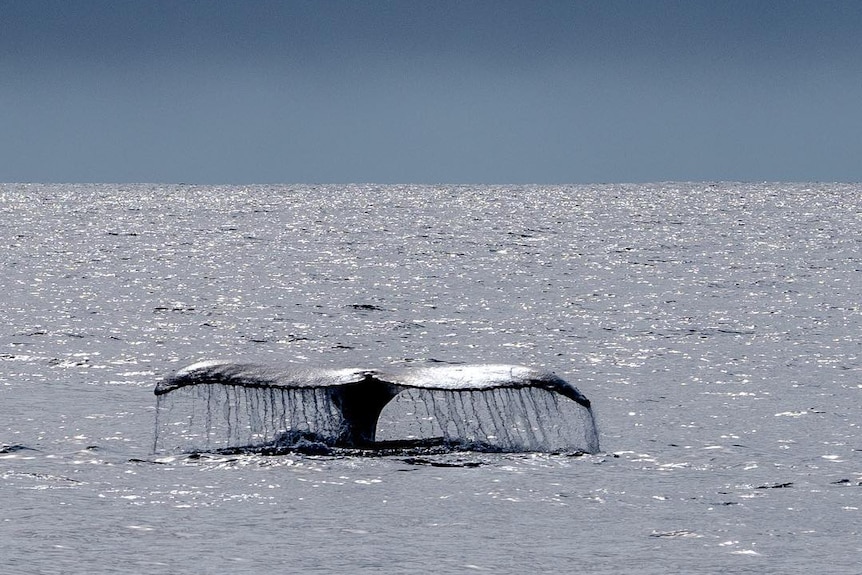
433 92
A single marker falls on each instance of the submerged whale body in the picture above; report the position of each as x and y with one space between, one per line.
360 395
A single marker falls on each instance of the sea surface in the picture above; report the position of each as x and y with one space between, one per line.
716 327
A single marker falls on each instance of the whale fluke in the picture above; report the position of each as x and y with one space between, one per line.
355 397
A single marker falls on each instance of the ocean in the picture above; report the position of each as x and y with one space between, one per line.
715 327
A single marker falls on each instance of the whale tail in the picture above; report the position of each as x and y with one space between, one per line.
219 405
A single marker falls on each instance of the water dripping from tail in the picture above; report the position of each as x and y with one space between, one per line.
218 407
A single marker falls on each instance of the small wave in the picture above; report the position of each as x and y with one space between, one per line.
15 448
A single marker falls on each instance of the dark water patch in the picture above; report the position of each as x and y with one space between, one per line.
69 362
276 449
15 448
174 308
438 463
309 444
776 486
49 477
847 482
675 534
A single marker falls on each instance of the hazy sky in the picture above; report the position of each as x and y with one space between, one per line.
430 92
